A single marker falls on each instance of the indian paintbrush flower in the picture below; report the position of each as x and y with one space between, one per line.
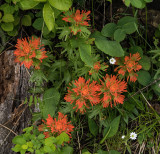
29 52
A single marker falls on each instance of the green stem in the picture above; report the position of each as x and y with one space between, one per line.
93 15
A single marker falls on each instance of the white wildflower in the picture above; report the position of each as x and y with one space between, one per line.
123 136
112 61
133 135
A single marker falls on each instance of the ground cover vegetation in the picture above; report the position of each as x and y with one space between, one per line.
96 84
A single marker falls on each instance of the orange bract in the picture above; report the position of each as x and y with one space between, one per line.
57 126
112 89
77 20
28 50
129 65
83 94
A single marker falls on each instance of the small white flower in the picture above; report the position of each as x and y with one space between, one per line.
123 136
133 135
112 61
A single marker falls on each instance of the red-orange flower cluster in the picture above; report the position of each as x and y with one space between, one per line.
111 89
77 20
84 94
29 52
130 65
56 126
98 66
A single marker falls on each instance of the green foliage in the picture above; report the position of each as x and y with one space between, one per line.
33 141
111 129
51 100
144 77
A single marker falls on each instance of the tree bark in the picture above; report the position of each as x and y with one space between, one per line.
14 115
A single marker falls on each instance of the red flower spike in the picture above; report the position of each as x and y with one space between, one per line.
77 20
28 50
56 126
112 89
130 66
83 94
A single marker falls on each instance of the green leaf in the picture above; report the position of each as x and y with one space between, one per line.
40 0
145 62
111 129
25 146
127 2
26 20
109 29
119 35
51 100
17 148
102 152
48 15
144 77
19 140
128 24
8 18
140 4
41 136
47 149
67 150
30 100
63 137
148 1
61 4
85 53
49 141
38 23
112 48
28 4
93 127
7 26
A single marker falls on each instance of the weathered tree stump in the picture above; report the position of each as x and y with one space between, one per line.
14 115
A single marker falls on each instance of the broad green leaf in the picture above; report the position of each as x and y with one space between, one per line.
41 136
19 140
128 24
38 23
109 29
127 2
93 127
48 15
49 141
26 20
28 4
63 137
8 18
17 148
7 26
85 53
148 1
102 152
25 146
61 4
140 4
145 62
67 150
40 0
125 20
111 129
119 35
112 48
47 149
144 77
7 9
51 100
14 32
